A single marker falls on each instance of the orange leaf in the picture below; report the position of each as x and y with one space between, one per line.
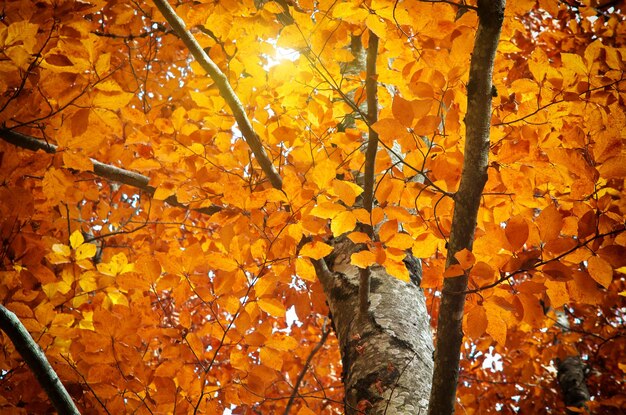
271 358
342 223
476 322
346 191
359 237
454 270
305 270
614 168
549 223
148 267
600 270
482 273
388 230
516 232
272 307
397 269
496 325
323 173
402 110
400 241
326 210
466 258
363 259
316 250
77 161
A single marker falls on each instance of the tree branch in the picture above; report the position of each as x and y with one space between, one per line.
36 360
100 169
226 91
371 85
467 202
318 346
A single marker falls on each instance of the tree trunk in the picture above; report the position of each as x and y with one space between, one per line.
388 354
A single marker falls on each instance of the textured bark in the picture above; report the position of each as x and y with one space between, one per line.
386 354
36 360
571 375
467 202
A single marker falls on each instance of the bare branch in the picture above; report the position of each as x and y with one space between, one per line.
100 169
226 91
305 368
371 85
36 360
467 202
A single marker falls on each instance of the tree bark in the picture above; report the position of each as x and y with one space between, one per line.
36 360
467 202
571 375
386 356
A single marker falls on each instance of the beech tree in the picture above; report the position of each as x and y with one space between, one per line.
313 207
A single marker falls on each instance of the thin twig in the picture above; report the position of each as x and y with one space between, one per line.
305 368
100 169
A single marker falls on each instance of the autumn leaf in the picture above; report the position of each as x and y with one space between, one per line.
272 307
600 270
466 258
363 259
316 250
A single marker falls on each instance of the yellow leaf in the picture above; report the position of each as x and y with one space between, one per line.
323 173
76 239
400 241
272 307
271 358
273 7
363 259
77 161
87 321
282 342
346 191
327 210
117 298
87 281
397 269
112 101
62 250
574 62
218 260
316 250
359 237
118 265
305 270
86 251
342 223
376 25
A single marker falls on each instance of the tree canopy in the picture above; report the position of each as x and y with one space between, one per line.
171 197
